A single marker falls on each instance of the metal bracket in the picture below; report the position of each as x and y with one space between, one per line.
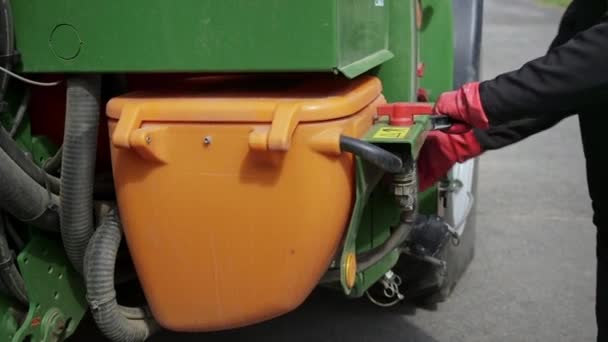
368 176
56 292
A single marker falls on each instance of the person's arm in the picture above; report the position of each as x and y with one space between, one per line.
497 137
570 77
576 18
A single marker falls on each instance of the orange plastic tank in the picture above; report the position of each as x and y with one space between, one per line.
233 194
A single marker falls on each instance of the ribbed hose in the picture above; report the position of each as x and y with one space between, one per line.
11 277
117 323
78 165
24 199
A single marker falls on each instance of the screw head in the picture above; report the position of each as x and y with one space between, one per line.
207 140
148 139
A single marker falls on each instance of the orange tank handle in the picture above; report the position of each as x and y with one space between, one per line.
283 115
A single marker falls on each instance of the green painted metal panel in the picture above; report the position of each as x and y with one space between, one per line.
437 47
362 27
399 74
56 292
201 35
8 318
368 176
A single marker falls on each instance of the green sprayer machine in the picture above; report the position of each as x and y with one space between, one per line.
204 165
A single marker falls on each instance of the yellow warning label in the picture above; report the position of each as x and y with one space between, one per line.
392 133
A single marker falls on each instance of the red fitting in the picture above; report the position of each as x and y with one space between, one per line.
420 70
422 95
402 113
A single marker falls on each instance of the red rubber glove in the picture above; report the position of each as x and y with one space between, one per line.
441 151
463 105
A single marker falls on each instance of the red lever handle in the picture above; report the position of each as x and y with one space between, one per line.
402 113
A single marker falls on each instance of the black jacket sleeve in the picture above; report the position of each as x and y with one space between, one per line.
499 136
568 26
570 77
509 133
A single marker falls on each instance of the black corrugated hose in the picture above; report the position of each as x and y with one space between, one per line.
117 323
11 278
78 165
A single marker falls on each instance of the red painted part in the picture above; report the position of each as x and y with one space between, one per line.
402 113
420 70
422 95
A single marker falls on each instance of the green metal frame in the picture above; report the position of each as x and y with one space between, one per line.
399 74
437 47
56 292
375 211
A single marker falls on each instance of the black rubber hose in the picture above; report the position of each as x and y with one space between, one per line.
25 199
53 164
373 256
11 277
11 232
78 165
7 42
372 154
36 173
117 323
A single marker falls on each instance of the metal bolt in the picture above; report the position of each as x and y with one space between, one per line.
148 139
207 140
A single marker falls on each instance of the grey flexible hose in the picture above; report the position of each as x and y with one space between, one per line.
117 323
11 277
78 165
36 173
25 199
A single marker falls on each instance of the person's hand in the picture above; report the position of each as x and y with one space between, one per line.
441 151
463 106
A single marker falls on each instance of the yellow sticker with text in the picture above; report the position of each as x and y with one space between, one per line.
392 133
